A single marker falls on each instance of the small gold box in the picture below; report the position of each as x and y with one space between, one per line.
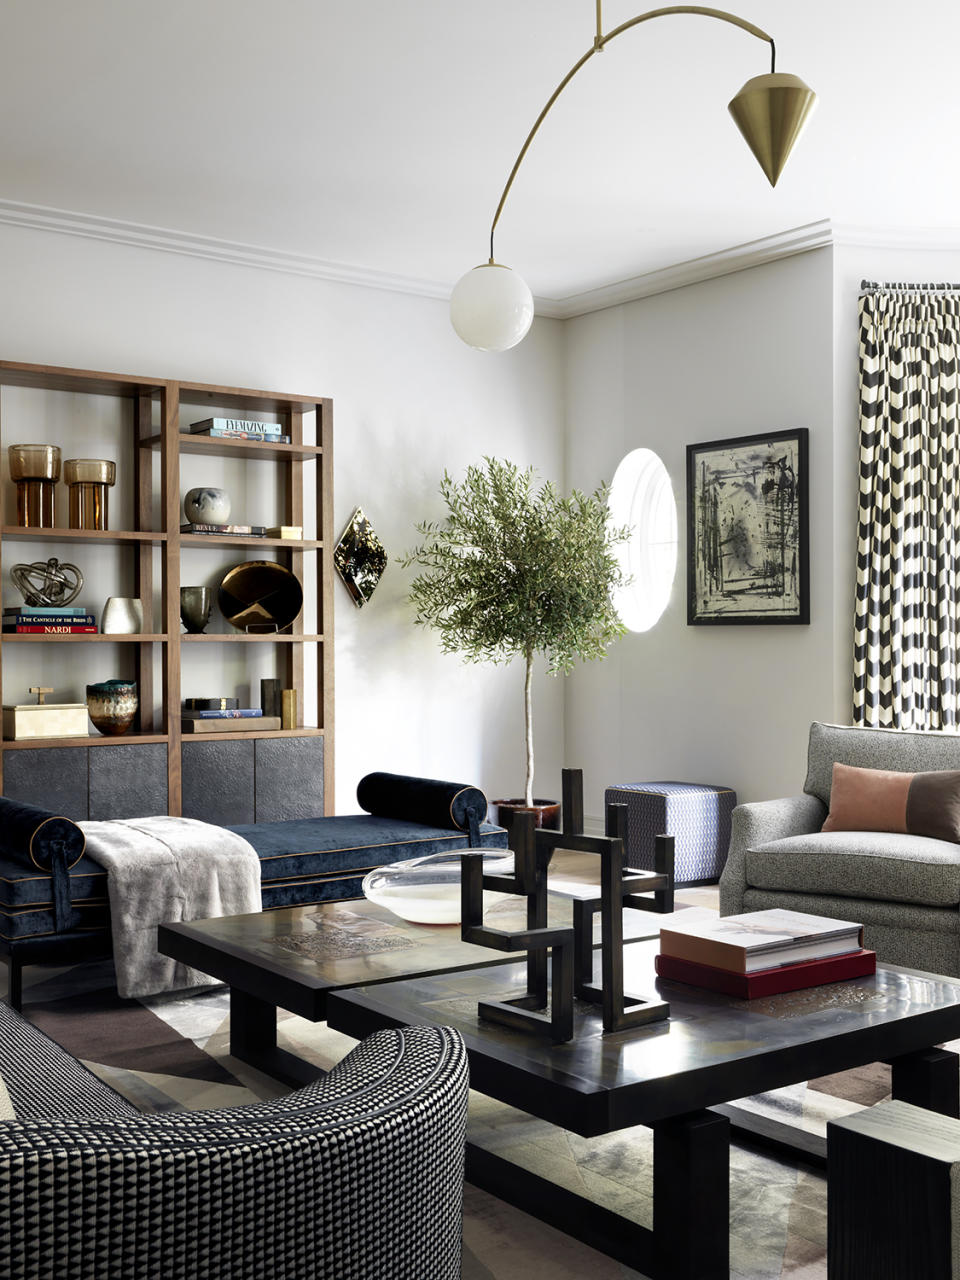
51 720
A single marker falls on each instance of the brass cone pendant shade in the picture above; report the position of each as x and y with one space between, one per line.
771 111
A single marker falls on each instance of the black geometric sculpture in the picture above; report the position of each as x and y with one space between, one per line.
571 948
527 1012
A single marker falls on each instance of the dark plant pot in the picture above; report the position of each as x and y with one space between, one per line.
546 813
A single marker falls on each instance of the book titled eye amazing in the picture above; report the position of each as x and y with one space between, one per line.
759 939
236 424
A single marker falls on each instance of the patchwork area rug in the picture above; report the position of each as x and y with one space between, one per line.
167 1053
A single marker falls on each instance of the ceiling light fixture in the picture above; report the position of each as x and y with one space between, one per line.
491 307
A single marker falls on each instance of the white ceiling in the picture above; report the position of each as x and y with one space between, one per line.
377 134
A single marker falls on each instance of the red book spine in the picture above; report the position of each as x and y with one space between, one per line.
768 982
50 631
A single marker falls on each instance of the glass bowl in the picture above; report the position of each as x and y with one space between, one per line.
427 890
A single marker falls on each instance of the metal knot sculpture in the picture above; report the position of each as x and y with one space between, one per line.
47 583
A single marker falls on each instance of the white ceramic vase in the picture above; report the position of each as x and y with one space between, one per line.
122 616
207 506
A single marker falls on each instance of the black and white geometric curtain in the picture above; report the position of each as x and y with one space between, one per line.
908 539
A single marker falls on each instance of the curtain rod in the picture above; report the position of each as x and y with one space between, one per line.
873 286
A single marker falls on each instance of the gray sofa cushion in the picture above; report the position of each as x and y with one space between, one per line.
899 749
860 864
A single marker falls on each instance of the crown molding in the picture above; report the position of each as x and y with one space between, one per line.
754 253
933 239
785 244
93 227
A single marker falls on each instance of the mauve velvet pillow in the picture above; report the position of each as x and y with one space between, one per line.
918 804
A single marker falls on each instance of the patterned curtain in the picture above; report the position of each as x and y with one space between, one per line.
908 539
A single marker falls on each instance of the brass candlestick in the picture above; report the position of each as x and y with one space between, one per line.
89 480
35 468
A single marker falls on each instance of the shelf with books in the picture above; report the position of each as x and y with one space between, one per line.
153 436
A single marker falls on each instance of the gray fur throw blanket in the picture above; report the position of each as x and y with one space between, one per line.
161 870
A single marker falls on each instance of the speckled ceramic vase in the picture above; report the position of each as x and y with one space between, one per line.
112 705
207 506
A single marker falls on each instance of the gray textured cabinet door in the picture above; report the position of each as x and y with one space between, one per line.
53 779
129 781
218 781
289 779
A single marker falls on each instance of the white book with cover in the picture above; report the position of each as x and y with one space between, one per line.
759 939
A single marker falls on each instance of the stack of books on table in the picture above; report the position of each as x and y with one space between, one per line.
234 720
762 953
29 620
240 429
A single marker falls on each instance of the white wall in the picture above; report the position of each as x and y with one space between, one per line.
409 400
742 354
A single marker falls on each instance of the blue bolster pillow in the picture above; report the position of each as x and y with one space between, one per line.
426 800
36 838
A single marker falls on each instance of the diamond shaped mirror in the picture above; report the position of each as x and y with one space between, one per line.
360 558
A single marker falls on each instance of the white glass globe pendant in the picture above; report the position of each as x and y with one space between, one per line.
491 308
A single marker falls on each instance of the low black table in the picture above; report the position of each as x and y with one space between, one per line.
671 1076
294 957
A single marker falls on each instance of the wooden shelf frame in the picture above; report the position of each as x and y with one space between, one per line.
17 533
159 454
80 740
98 638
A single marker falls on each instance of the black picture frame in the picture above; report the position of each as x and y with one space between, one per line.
748 554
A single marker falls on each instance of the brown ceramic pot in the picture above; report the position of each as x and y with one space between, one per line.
546 813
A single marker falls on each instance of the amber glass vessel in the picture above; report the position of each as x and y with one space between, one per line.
89 480
35 469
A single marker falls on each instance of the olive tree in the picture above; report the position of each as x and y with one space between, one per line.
515 570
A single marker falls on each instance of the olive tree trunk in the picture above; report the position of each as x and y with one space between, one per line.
528 725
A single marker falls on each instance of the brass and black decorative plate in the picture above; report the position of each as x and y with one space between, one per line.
360 558
260 596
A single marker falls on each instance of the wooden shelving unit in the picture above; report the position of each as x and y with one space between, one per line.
161 459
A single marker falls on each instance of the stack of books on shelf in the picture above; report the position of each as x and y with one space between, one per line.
240 429
204 715
762 953
234 530
64 620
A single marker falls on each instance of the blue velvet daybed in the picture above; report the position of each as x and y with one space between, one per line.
61 912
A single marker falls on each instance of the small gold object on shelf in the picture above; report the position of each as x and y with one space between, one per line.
43 719
35 468
89 480
288 712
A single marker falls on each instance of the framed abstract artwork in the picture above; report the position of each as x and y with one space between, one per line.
747 535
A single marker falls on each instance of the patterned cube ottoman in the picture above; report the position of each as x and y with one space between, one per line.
695 813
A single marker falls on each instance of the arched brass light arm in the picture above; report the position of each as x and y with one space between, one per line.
491 307
600 41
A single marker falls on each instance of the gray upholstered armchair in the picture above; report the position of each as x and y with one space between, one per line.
356 1176
904 889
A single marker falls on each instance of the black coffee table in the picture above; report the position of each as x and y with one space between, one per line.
671 1076
294 957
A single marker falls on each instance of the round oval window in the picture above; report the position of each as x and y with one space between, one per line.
641 497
